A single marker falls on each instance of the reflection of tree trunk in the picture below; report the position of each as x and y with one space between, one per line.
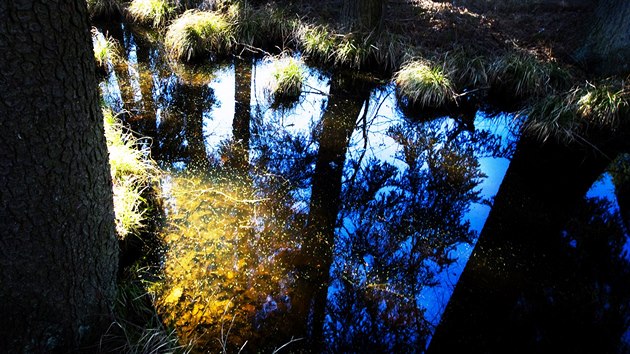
338 123
242 114
121 69
145 122
191 100
492 308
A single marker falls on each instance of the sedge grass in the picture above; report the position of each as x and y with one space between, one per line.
132 170
317 42
287 78
104 8
198 33
425 84
468 71
152 12
106 51
564 116
523 75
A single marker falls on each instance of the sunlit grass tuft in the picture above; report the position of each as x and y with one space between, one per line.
424 84
468 71
288 75
318 42
132 172
568 115
106 51
198 33
153 12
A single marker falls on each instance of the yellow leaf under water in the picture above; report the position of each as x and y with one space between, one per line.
174 296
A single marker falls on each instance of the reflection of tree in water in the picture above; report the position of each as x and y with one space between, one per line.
587 296
399 226
180 132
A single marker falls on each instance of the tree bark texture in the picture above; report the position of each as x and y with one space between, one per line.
363 15
606 48
58 252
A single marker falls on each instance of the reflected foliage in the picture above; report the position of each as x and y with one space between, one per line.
290 224
399 224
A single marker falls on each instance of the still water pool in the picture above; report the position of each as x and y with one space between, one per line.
341 222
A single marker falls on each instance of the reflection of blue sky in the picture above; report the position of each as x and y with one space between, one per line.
278 128
217 122
369 139
605 189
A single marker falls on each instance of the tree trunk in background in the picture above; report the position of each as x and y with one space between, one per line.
58 251
606 48
363 15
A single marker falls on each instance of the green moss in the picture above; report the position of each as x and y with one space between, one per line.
424 84
198 33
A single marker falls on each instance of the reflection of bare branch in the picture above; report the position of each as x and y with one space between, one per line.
293 340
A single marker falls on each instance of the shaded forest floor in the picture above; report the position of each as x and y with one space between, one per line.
551 32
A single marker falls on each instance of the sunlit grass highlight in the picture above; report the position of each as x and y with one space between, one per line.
424 84
288 75
152 12
567 116
198 33
132 172
106 51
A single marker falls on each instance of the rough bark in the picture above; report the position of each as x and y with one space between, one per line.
363 15
58 252
606 47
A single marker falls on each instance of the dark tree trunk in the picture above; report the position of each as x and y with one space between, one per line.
501 301
606 47
363 15
58 251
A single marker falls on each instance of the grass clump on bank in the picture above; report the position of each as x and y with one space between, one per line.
106 51
266 26
424 84
198 33
104 8
132 172
523 75
152 12
287 78
566 116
